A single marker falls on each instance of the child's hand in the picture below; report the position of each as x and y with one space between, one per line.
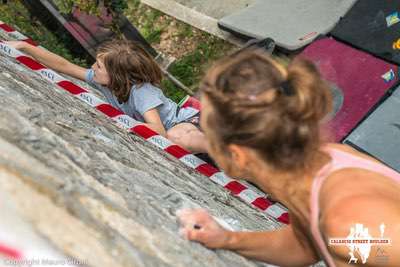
198 225
16 44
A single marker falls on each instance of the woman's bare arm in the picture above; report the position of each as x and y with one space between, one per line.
280 247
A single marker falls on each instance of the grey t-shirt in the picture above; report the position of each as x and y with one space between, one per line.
144 98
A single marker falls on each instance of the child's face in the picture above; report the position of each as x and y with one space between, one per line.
100 73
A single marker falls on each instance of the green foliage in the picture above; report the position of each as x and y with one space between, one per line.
172 91
145 19
90 6
185 30
118 5
190 68
15 14
93 7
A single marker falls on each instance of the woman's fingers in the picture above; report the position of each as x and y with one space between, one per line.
194 218
197 225
198 235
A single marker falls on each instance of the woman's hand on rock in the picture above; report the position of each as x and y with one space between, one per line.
198 225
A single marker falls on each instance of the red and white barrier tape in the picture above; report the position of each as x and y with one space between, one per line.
15 34
238 189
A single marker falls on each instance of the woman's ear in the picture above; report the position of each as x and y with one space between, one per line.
240 156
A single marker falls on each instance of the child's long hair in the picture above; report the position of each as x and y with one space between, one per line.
127 63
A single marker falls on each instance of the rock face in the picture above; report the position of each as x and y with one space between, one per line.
94 192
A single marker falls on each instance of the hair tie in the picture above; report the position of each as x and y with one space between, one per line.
286 88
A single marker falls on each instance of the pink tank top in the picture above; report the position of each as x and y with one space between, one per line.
340 160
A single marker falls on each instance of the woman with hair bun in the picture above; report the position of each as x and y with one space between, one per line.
263 122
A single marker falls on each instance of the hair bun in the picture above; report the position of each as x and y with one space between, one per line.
248 95
286 88
313 98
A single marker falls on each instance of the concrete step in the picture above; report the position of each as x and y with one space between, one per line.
201 14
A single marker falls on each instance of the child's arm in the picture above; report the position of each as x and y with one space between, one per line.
51 60
153 121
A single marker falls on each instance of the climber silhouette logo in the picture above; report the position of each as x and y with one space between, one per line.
360 242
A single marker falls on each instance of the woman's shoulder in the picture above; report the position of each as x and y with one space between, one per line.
352 188
356 196
352 182
355 188
357 178
350 195
349 150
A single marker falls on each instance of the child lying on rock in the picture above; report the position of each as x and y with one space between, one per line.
129 78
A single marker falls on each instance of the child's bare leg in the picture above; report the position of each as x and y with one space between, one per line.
188 136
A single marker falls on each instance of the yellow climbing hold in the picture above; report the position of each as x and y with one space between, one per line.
396 44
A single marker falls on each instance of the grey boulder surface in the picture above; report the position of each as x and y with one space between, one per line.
95 193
